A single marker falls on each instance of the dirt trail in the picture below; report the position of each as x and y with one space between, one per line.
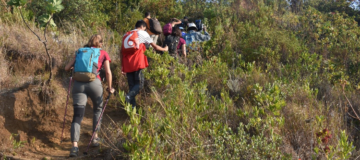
39 129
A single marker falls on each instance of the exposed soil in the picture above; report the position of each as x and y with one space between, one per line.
24 117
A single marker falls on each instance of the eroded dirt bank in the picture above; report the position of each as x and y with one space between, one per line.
31 129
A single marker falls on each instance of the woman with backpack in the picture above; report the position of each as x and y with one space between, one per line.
87 84
167 29
174 42
182 43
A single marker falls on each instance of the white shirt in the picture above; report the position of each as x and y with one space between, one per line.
144 37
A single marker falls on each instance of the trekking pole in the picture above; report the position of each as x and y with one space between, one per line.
67 100
92 137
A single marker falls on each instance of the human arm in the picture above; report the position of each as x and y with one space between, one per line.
208 37
70 65
203 37
183 49
158 48
108 76
144 37
175 22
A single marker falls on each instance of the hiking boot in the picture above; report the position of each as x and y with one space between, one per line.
74 151
96 142
127 99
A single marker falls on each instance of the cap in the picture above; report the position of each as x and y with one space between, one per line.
185 17
190 25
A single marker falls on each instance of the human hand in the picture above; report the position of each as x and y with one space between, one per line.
122 72
166 48
112 90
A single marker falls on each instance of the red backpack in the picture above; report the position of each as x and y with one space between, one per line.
132 51
167 29
130 42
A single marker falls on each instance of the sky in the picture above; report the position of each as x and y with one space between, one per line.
355 4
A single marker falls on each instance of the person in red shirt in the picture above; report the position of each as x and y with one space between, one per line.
167 29
181 48
82 90
133 63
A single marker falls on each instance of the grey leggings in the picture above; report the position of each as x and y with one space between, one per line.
81 91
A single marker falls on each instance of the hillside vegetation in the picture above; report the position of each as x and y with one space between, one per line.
276 81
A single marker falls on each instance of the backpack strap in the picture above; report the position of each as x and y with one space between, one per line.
97 52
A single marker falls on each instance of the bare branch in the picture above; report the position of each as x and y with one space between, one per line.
353 116
44 42
27 25
351 106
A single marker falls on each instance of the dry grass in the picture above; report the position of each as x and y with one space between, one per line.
19 38
302 126
4 74
23 56
306 115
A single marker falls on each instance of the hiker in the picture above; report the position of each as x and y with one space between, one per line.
167 29
133 59
183 33
181 48
194 36
184 22
153 36
173 41
85 87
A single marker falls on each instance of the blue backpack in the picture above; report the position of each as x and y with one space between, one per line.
86 64
199 24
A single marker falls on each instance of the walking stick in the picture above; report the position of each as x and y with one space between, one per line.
92 137
67 100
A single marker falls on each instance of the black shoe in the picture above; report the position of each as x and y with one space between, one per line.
74 151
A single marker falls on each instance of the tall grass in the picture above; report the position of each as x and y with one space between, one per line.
4 74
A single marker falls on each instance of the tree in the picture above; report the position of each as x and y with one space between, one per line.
44 20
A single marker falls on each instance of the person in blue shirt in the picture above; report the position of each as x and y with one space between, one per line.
182 31
194 36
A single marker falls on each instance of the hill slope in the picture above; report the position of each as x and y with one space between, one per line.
271 83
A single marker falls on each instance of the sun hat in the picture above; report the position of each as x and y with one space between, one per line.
192 25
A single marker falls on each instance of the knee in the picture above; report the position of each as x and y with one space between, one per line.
78 114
